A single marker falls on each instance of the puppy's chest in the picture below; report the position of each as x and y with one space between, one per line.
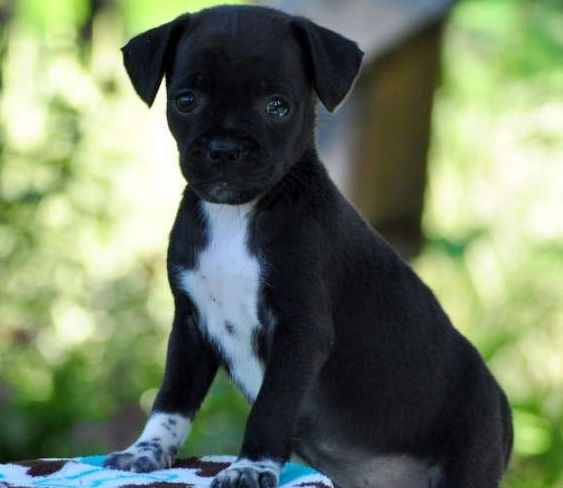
225 287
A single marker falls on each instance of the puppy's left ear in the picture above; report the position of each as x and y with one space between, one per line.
147 56
334 61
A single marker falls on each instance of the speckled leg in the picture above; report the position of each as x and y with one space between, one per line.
156 447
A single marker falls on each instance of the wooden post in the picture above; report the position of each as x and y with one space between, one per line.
393 122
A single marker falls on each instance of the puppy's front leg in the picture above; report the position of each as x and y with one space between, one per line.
300 347
190 369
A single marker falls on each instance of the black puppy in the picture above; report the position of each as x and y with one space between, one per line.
344 353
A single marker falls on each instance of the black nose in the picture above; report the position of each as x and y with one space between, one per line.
223 149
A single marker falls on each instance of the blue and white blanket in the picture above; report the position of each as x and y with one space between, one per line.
88 472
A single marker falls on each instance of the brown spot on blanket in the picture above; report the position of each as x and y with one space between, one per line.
205 469
314 484
42 467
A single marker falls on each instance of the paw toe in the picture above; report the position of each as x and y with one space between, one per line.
249 479
119 460
144 464
228 478
138 462
267 480
244 477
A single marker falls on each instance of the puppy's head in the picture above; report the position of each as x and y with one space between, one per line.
242 83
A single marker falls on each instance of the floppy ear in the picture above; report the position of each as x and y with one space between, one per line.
147 56
334 60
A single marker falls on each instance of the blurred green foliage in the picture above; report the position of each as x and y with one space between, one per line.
89 186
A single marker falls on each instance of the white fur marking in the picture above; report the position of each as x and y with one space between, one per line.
171 428
157 445
224 286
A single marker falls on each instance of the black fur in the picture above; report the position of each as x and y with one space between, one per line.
363 365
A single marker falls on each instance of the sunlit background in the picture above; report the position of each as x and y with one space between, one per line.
89 186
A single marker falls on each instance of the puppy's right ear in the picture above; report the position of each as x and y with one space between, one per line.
147 57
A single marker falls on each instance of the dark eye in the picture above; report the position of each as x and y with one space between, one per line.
186 102
277 107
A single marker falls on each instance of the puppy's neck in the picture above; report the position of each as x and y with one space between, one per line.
305 179
226 216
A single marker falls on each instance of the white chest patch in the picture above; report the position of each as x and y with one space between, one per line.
224 286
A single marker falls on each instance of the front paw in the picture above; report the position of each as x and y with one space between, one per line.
141 457
245 473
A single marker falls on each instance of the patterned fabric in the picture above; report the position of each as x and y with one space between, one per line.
87 472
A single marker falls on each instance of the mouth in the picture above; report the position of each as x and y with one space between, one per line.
223 192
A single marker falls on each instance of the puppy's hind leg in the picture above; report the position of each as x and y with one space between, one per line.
398 471
480 466
481 457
